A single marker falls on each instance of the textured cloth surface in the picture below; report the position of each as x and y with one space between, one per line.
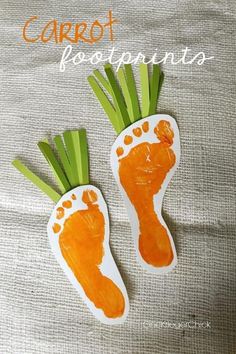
40 312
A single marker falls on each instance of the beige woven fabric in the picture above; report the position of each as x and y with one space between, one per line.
40 312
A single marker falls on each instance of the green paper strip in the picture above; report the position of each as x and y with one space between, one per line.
64 159
160 84
84 156
133 92
81 152
69 137
49 155
144 78
44 187
102 81
154 86
105 103
123 84
119 103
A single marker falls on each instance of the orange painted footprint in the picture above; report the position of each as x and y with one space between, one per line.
144 157
79 236
78 229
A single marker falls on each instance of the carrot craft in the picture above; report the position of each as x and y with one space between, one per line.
144 157
78 228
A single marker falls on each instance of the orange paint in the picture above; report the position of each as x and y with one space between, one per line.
67 204
145 127
142 173
164 133
128 139
56 228
73 196
60 213
89 197
119 151
81 243
137 132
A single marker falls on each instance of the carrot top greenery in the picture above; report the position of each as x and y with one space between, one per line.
122 107
70 168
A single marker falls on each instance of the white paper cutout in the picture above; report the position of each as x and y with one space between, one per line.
107 267
158 198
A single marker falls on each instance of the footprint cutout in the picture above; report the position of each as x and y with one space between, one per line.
144 158
78 231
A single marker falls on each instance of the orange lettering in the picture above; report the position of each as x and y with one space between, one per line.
30 40
45 39
71 32
64 34
96 24
79 34
109 24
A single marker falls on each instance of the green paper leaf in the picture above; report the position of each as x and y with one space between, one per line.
64 159
102 81
123 84
145 89
44 187
69 142
84 157
119 102
154 85
49 155
160 84
105 103
81 155
133 92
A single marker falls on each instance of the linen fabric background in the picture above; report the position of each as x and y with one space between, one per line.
40 312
